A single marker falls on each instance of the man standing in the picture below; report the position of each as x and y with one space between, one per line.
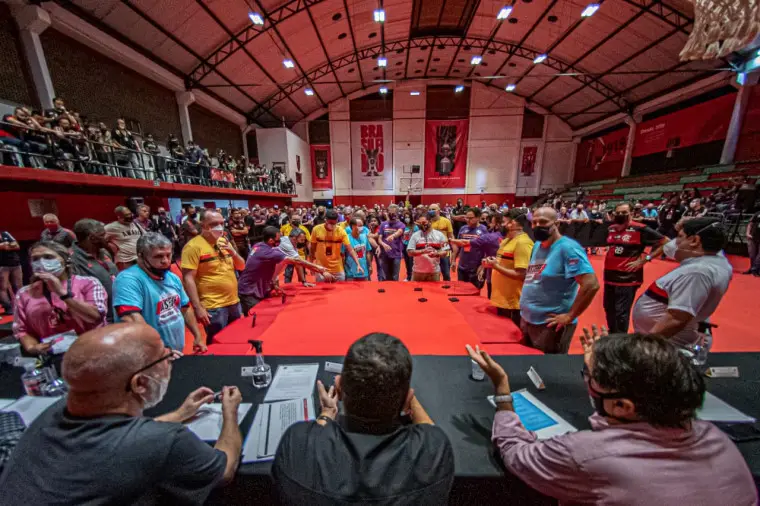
458 218
90 257
122 236
559 285
208 269
55 232
285 230
676 303
292 246
649 216
487 244
442 224
10 270
106 450
149 293
367 455
360 243
165 226
239 232
427 246
326 242
670 216
390 237
143 218
753 244
624 265
469 257
190 226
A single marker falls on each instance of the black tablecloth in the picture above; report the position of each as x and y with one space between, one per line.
456 403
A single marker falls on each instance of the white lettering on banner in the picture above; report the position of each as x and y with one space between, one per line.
371 155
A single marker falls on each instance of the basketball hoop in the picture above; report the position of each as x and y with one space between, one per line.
721 27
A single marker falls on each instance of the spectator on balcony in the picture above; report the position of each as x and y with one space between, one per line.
102 145
31 133
55 232
122 237
52 116
696 209
126 150
194 158
71 145
154 162
176 168
12 142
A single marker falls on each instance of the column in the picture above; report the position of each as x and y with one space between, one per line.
32 21
737 119
244 129
184 99
633 123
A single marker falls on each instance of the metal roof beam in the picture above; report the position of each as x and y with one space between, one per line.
353 38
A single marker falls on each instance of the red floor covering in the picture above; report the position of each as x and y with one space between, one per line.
325 320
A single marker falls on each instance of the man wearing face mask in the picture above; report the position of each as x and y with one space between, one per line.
390 238
676 303
190 227
55 232
122 236
469 257
559 285
443 225
165 226
427 246
325 247
90 257
624 265
645 445
106 450
285 230
209 263
150 293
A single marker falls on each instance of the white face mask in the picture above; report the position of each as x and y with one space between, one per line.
50 265
670 249
217 231
156 397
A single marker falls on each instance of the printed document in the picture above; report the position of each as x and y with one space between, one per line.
207 423
270 423
292 382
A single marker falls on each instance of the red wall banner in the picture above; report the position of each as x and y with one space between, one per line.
699 124
601 157
528 165
446 153
321 167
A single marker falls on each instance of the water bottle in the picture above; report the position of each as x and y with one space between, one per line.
262 372
478 374
56 388
34 380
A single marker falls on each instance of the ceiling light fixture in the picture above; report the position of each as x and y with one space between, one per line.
288 64
383 90
309 92
476 60
459 89
379 15
589 10
539 58
256 18
414 93
382 61
510 87
504 13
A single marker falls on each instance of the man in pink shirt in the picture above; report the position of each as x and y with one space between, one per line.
645 447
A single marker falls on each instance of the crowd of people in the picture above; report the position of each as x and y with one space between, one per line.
63 139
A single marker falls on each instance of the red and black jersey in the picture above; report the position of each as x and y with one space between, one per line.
626 244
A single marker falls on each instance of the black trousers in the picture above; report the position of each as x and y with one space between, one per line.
618 301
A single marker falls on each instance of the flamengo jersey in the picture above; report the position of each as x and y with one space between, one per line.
626 244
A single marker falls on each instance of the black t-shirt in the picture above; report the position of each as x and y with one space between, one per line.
8 258
124 138
316 465
114 459
755 228
670 215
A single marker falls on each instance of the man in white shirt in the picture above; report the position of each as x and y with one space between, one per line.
427 246
122 236
676 303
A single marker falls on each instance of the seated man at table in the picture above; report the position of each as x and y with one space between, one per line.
96 446
645 445
367 455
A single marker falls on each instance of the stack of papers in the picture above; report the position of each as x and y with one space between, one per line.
288 401
207 423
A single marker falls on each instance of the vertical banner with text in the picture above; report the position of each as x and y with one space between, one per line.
446 153
372 155
321 167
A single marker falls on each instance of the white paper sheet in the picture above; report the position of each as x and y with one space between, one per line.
270 423
61 342
30 407
294 381
537 413
716 410
5 402
207 424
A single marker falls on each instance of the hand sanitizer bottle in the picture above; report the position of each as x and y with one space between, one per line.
262 372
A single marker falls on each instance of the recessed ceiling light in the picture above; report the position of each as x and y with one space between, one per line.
382 62
589 10
383 90
420 61
441 47
379 16
539 58
513 20
552 19
467 48
399 51
504 13
288 64
436 59
414 93
399 63
461 60
309 91
337 16
476 60
256 18
459 89
372 35
342 36
510 87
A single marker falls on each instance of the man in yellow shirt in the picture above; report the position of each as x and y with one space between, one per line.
209 263
326 241
509 266
443 225
295 222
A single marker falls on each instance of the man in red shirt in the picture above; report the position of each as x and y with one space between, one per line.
624 265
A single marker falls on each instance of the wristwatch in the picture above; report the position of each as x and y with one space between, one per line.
648 258
502 399
66 295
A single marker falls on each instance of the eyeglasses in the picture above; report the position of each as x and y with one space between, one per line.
586 375
171 355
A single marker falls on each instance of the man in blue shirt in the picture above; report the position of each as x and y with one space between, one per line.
470 255
559 285
148 293
360 242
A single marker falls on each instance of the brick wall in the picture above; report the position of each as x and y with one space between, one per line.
103 89
212 132
15 83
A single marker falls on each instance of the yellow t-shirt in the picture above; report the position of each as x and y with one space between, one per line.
513 254
285 232
326 247
443 225
215 272
343 224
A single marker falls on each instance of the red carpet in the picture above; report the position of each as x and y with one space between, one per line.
325 320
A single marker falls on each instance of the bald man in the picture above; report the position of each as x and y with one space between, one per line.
559 285
96 447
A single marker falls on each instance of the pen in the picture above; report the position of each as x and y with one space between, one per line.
218 395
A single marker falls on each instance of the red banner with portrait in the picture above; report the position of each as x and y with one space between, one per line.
601 157
446 153
321 167
528 165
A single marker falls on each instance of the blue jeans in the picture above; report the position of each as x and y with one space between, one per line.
220 318
446 268
289 273
390 267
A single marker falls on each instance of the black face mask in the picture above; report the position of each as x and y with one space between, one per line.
542 233
159 272
425 227
301 245
393 216
193 216
621 219
504 231
129 219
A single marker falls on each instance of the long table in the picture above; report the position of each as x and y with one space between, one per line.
456 403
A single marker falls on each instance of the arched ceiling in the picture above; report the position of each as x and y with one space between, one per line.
625 54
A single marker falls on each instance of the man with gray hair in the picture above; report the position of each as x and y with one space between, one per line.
97 447
149 293
122 236
55 232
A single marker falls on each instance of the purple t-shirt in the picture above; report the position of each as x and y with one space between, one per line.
388 228
256 278
470 257
488 244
